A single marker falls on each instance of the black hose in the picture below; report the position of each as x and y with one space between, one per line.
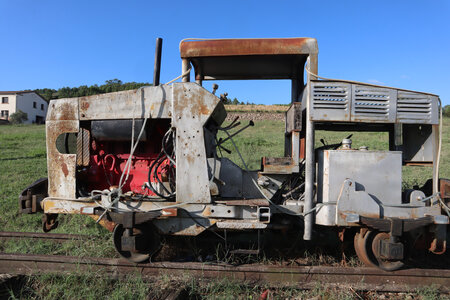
151 172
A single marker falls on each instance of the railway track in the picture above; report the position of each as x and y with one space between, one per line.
301 276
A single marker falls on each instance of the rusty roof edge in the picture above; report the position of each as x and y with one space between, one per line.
309 44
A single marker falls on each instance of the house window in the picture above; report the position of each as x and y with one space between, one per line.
42 106
5 114
34 104
4 99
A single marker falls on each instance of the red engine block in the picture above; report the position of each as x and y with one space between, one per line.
108 163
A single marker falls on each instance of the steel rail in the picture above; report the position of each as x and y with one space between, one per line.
43 236
305 277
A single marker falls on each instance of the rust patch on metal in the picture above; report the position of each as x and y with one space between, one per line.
204 110
61 167
64 109
169 212
438 246
109 225
444 188
249 202
84 105
64 169
235 47
207 211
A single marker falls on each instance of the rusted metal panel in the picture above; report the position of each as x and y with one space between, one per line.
249 202
294 117
152 102
279 165
62 117
191 226
63 109
192 106
240 225
248 58
444 188
237 47
61 167
109 225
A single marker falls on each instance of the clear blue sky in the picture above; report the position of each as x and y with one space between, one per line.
52 44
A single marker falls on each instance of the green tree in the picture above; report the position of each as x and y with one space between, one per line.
18 117
446 111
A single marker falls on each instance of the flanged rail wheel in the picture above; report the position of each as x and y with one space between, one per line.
387 265
361 249
366 247
150 244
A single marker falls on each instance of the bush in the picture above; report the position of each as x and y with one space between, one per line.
18 117
446 111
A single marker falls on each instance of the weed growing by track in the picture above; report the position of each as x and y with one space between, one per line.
92 286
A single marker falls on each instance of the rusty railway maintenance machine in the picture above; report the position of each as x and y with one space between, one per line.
146 162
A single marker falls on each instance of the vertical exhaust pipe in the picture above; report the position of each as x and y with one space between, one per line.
157 67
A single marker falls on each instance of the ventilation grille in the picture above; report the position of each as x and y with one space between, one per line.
413 106
327 96
371 102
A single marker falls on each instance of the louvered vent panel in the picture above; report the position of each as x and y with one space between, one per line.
413 107
327 96
371 103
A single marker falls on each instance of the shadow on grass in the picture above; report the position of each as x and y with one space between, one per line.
24 157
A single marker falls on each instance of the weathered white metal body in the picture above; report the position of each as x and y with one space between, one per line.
350 188
364 183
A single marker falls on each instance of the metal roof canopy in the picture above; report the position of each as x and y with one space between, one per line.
235 59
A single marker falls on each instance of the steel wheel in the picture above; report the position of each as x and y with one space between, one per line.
152 243
387 265
363 247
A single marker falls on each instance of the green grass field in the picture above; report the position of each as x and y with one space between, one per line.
23 160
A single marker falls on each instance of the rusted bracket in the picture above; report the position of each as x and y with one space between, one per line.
49 222
32 195
130 219
397 226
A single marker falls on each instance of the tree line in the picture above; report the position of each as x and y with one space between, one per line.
113 85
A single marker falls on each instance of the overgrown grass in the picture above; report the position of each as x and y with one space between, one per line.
23 160
81 286
92 286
